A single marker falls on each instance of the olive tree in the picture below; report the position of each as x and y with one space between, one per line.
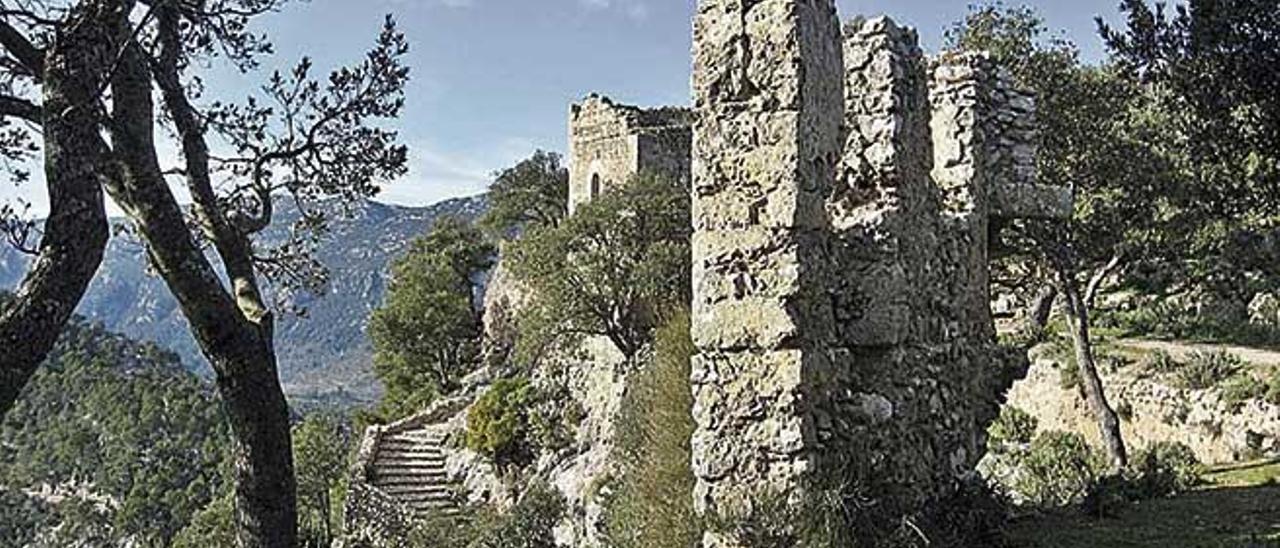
54 68
302 138
618 268
1095 140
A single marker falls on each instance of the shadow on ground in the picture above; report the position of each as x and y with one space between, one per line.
1218 517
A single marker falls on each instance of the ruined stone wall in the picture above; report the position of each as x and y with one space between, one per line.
766 142
610 142
843 191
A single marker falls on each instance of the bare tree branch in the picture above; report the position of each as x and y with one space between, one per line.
18 107
22 49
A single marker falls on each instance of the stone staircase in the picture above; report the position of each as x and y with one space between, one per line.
399 476
409 467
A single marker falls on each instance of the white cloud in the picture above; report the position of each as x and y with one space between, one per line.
435 174
445 3
637 10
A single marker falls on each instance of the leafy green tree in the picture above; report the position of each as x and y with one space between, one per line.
1210 67
618 268
320 448
214 525
1096 139
533 193
426 335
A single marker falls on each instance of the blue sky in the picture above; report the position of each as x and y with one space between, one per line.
492 79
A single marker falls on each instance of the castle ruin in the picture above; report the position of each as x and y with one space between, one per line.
844 189
610 142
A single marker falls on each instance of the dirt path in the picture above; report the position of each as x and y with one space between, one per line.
1180 350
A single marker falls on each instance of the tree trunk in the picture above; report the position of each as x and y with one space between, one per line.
1041 308
239 347
76 231
1078 323
1100 277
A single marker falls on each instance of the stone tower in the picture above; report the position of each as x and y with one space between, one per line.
844 187
610 142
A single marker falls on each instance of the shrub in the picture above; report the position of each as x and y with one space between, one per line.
1161 470
1160 361
1242 387
1057 470
1164 469
1013 428
850 511
498 423
212 526
1208 369
528 524
1107 496
1218 322
1069 375
652 505
1124 410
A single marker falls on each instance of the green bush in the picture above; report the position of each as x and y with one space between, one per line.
1124 410
1218 322
1013 428
1161 470
1208 369
1242 387
498 423
214 525
528 524
1161 362
1057 470
652 505
1164 469
853 511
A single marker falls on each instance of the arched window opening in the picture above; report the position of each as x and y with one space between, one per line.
595 185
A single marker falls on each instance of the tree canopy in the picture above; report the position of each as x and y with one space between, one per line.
1209 67
533 193
617 267
426 335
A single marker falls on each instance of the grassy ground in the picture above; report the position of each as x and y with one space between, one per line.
1238 508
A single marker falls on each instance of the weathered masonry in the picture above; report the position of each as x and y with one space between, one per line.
609 143
844 187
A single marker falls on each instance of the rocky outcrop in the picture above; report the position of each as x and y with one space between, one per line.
1152 409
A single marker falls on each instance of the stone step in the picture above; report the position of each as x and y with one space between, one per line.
387 466
425 496
412 450
397 454
398 490
401 478
406 445
411 478
417 437
443 511
431 510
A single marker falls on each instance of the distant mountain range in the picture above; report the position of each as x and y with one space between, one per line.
323 355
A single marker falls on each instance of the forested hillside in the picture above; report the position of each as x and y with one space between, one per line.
111 440
323 351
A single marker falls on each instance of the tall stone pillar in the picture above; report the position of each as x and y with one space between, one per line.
843 194
767 138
